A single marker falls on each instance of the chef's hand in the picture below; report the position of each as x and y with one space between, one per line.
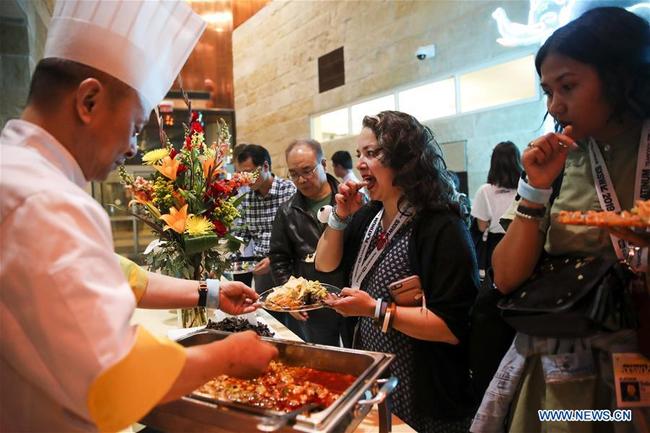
636 238
248 355
349 199
263 267
544 158
352 302
237 298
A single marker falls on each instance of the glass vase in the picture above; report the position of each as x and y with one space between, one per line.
196 316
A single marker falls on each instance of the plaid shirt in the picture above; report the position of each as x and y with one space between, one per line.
258 213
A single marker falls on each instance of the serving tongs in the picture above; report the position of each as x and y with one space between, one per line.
276 422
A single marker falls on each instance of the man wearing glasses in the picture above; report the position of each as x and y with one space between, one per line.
294 238
260 205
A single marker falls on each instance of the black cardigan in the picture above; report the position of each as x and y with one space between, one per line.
441 253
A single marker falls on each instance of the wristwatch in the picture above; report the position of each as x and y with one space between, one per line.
203 294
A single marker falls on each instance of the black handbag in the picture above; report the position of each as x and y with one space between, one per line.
572 297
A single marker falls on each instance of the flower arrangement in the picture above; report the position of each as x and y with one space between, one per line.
190 203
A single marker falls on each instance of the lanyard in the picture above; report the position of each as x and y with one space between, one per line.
609 200
364 260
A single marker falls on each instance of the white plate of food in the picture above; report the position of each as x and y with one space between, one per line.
297 294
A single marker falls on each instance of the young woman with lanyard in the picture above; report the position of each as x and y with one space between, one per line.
595 72
411 227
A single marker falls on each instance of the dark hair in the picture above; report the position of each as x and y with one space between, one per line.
342 158
313 144
54 77
410 149
617 44
256 153
237 150
505 165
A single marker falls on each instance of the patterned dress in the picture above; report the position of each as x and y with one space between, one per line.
392 265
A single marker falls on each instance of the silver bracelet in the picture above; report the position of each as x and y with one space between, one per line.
378 308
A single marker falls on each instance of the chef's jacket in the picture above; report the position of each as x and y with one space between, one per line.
69 359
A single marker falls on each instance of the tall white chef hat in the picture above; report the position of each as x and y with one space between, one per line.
143 43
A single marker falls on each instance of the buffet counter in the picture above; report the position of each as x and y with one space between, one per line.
165 323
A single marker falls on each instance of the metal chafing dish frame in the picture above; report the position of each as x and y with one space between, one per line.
196 413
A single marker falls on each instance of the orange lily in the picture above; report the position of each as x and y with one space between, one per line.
175 219
168 168
207 163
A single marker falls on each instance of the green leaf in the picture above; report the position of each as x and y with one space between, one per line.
233 242
238 201
197 244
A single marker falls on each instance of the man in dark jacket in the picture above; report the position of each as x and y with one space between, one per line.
294 237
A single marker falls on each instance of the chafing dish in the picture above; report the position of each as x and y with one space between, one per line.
196 413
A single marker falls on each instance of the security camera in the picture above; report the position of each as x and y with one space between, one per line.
425 52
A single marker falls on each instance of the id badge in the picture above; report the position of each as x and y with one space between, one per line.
567 367
631 379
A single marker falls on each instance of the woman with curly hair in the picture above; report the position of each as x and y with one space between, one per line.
410 228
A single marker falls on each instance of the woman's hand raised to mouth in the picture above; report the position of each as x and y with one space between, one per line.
544 158
349 199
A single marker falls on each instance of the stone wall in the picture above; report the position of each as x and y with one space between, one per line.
22 31
275 68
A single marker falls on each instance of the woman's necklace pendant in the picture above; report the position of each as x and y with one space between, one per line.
381 240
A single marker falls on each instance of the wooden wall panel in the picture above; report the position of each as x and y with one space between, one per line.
244 9
209 67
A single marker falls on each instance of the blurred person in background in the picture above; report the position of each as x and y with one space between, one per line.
342 164
259 208
493 199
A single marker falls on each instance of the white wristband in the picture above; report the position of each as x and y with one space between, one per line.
532 194
213 293
336 223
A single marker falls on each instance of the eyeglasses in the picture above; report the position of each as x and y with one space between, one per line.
305 174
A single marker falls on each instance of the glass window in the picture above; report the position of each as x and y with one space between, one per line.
500 84
429 101
329 126
370 108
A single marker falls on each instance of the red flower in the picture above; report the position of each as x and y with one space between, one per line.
219 228
172 153
218 189
195 127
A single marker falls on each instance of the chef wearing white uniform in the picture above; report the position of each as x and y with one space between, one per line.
69 359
